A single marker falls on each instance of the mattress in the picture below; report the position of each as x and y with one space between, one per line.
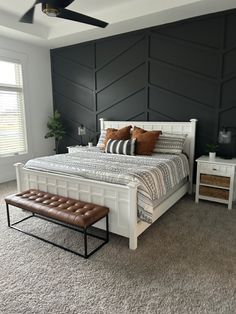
158 201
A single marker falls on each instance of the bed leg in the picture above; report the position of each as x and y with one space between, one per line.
133 238
19 167
133 243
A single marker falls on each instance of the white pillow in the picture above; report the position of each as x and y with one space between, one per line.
101 139
170 143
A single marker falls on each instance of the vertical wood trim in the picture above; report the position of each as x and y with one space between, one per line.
221 74
95 87
147 55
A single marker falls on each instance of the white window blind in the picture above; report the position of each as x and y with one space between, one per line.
13 140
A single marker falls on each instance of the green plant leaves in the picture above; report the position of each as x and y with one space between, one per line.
56 128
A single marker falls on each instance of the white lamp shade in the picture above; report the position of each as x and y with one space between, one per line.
81 130
224 137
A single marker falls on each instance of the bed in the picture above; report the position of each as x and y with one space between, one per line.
121 199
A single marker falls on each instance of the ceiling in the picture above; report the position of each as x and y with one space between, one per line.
122 16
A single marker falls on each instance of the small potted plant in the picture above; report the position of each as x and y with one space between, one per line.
56 129
211 149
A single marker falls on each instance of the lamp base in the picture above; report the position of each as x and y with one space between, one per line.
226 151
225 156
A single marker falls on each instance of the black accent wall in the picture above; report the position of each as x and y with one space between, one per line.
174 72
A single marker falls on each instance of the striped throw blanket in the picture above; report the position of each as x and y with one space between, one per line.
156 175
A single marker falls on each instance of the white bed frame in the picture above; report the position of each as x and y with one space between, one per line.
122 200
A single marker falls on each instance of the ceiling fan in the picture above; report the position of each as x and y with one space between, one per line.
56 8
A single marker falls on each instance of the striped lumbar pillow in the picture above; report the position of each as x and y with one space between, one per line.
121 147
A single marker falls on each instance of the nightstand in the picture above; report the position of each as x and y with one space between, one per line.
216 180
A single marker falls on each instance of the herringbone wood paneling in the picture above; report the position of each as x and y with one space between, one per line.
174 72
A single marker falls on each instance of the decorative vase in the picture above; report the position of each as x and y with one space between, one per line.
212 155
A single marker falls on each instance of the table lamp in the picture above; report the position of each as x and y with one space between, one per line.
81 132
225 138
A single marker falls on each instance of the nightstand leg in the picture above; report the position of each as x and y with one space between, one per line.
230 202
197 185
231 191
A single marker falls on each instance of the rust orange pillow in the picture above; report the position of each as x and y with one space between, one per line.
120 134
145 140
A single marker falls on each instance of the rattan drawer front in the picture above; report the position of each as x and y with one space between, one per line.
214 192
215 180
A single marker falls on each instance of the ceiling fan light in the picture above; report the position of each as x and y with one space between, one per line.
49 11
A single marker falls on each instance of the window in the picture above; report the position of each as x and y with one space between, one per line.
13 140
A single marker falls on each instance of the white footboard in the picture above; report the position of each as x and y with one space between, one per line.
121 200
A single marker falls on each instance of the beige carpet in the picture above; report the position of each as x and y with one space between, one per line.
185 263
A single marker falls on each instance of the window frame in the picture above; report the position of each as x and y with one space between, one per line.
15 57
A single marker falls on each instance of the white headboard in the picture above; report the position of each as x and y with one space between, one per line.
188 128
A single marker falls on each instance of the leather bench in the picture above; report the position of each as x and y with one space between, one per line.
74 214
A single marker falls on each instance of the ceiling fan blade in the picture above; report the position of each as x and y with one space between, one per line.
65 3
57 3
78 17
29 15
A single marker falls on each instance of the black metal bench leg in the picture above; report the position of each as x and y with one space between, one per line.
107 228
84 231
85 243
8 216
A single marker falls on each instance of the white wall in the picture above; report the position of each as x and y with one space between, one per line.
38 101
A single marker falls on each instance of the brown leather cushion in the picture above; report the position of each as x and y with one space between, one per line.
145 140
121 134
57 207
